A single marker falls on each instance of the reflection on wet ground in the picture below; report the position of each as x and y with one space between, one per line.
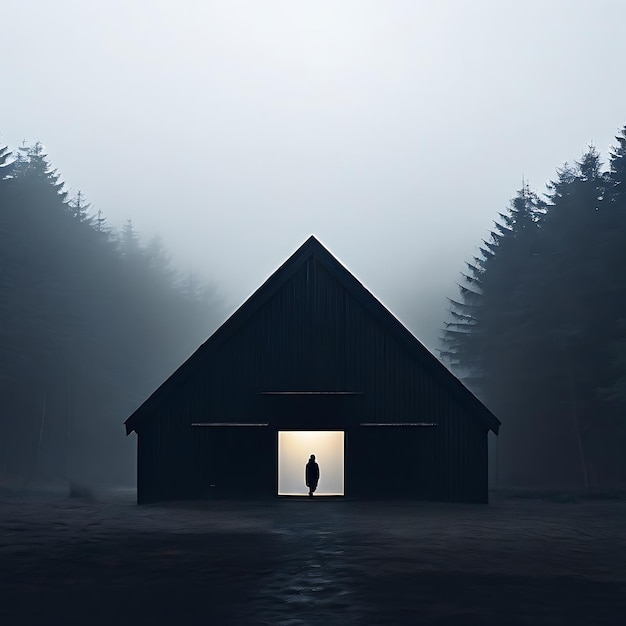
288 562
314 579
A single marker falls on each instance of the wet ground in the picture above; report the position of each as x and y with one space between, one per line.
310 561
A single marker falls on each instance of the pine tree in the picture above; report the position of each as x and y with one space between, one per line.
129 242
485 341
482 318
617 172
79 208
90 324
615 392
9 351
42 179
539 322
570 317
100 224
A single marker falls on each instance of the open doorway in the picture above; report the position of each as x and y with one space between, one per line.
294 449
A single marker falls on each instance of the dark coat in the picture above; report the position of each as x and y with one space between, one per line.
312 475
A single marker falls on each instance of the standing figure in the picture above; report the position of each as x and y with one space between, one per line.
312 475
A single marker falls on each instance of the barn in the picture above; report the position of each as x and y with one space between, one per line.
312 363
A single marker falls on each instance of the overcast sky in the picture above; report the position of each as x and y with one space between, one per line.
392 130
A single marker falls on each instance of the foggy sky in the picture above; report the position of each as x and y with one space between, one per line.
393 131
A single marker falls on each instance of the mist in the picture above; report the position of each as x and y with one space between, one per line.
466 161
392 131
395 132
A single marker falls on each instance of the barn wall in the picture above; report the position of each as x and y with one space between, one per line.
313 335
236 462
167 469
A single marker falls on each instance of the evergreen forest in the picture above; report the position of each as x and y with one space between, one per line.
538 328
91 322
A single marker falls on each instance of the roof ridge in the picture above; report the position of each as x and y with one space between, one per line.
311 247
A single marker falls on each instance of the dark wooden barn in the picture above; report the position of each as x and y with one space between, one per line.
312 350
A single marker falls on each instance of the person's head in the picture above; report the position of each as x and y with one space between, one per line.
312 458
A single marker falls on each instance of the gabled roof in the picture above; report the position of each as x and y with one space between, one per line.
312 248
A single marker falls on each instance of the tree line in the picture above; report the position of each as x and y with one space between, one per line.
538 330
91 322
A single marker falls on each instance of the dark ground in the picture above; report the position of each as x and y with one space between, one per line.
517 561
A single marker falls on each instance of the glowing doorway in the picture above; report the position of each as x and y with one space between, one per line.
294 449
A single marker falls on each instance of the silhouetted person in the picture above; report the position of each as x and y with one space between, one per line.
312 475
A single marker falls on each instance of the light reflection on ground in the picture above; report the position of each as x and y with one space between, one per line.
310 561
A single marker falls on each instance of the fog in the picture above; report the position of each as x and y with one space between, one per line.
396 132
224 134
393 131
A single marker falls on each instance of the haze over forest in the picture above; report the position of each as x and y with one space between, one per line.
393 131
396 132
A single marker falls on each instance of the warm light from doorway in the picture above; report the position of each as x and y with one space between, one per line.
294 449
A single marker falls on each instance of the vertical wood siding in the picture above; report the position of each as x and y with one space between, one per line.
313 335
